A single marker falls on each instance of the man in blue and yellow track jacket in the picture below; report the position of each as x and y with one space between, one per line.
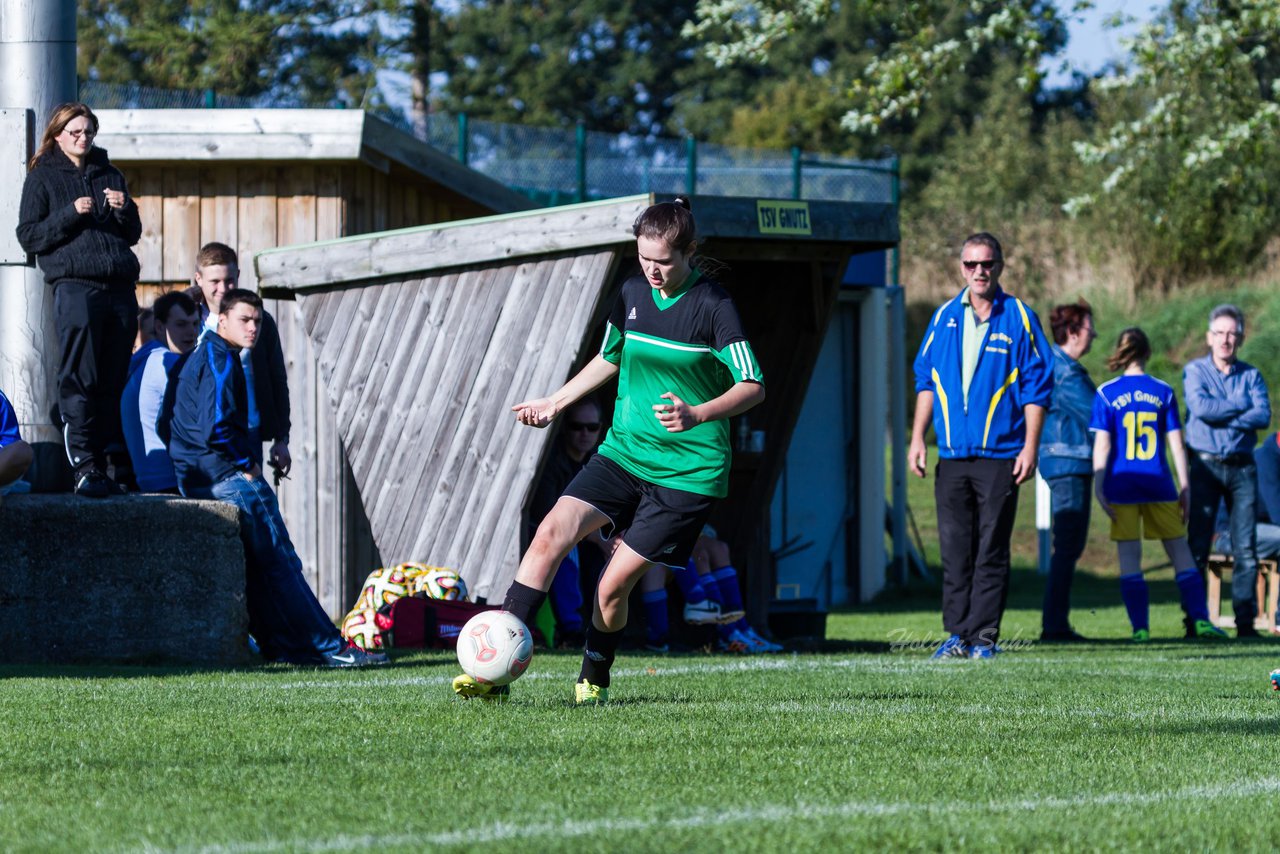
984 378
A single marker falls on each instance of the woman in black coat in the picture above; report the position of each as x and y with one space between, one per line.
78 220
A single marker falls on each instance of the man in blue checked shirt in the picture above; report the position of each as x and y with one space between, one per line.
1227 403
984 378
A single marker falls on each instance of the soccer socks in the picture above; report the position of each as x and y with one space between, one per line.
598 656
726 581
1133 591
657 622
566 595
1194 597
523 601
691 586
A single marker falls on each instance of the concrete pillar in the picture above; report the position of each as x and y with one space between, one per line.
37 72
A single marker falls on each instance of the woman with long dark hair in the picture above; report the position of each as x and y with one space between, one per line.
78 220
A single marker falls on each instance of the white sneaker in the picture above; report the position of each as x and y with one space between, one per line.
702 613
756 643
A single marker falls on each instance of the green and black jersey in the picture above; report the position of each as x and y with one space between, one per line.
692 346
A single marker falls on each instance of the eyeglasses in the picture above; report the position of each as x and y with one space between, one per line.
589 426
87 133
1234 336
986 265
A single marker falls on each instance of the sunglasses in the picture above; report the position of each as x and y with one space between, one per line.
589 426
973 265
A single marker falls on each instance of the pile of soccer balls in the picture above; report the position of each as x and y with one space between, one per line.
368 621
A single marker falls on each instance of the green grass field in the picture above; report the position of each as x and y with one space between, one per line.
864 743
861 743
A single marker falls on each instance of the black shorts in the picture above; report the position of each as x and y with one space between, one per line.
659 524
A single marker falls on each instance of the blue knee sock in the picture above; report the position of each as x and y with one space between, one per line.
726 578
690 582
656 621
566 595
1191 586
1133 590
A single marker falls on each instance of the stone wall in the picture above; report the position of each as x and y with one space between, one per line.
135 579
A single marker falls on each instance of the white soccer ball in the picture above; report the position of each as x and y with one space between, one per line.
439 583
494 647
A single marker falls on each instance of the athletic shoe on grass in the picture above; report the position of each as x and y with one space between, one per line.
984 652
735 643
1141 635
702 613
952 647
756 643
586 694
354 656
1206 629
1275 680
469 689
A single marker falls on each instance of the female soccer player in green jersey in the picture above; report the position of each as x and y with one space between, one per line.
684 368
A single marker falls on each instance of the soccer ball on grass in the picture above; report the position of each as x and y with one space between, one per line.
494 647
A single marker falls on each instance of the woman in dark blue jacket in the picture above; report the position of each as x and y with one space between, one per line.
1066 461
77 218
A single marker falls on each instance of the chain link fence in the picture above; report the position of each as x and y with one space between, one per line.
557 166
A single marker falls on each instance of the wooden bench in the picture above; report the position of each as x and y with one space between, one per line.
1267 590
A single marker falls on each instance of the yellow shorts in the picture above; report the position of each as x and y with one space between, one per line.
1160 520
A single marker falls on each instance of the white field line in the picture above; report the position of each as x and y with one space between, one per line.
512 832
794 662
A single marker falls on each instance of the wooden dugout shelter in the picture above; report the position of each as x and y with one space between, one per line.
256 179
424 337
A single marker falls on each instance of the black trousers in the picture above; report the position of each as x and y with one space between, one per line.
96 328
977 500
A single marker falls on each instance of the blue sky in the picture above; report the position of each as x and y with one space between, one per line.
1093 46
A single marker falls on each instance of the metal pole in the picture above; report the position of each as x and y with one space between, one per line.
581 142
898 394
895 195
1044 523
464 139
898 427
795 172
37 72
691 178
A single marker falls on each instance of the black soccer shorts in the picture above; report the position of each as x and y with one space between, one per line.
658 523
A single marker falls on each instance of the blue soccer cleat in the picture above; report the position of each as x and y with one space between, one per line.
952 647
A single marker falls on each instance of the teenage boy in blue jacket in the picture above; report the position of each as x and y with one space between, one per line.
984 378
213 458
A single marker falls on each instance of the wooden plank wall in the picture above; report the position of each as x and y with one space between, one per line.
422 374
256 206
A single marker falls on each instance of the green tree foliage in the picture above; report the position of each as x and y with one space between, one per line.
807 58
313 50
612 64
1008 170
